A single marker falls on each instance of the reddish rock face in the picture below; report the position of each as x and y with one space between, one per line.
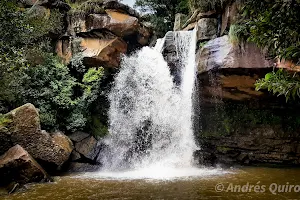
16 165
103 52
119 24
220 53
102 37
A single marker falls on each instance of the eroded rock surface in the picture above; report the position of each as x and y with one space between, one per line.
17 166
24 128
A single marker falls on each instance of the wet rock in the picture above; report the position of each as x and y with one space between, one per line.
51 150
207 29
88 148
83 167
16 165
78 136
251 150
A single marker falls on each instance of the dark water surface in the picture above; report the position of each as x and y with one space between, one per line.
284 182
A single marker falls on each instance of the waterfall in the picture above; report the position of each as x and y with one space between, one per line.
150 117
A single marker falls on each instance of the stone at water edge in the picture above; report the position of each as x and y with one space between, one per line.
88 148
86 152
51 151
16 165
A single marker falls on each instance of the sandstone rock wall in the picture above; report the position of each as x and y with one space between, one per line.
102 34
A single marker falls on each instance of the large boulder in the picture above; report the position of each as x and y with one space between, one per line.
113 4
120 24
103 52
23 128
221 53
17 166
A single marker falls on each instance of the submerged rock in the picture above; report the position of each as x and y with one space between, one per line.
83 167
51 150
16 165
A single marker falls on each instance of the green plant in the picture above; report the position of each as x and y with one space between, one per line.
238 34
207 5
272 25
87 7
161 14
202 44
281 83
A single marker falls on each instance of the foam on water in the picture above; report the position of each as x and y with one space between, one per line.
156 173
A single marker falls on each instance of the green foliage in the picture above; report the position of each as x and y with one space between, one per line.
29 72
91 83
86 7
161 14
44 22
272 25
202 44
98 129
207 5
237 34
281 83
49 86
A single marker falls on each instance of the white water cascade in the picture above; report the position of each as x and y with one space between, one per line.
151 129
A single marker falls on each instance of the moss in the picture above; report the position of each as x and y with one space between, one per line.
98 128
5 120
223 149
205 5
238 118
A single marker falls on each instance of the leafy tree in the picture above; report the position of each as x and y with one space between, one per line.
207 5
30 72
161 13
275 26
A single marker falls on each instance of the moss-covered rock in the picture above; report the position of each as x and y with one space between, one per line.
23 128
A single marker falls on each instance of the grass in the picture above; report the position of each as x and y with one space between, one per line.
87 7
237 34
